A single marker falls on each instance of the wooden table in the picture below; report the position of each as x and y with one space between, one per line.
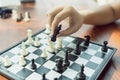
11 32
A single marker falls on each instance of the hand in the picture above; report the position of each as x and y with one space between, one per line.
60 13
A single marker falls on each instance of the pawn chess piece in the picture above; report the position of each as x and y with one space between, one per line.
44 76
7 62
33 65
104 47
51 47
29 34
47 31
36 43
23 45
22 61
58 43
23 51
44 54
81 75
87 40
27 17
14 14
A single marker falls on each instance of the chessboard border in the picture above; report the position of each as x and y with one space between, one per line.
95 76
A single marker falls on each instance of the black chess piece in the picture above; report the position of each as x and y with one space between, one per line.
21 16
81 75
59 65
66 62
56 32
44 76
77 50
104 47
55 78
33 65
87 40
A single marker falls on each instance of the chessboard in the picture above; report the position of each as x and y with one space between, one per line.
91 56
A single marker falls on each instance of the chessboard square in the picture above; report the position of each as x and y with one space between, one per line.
88 71
15 50
72 45
86 56
62 77
34 76
7 53
42 35
49 55
24 73
81 61
52 74
49 64
40 60
15 59
43 41
68 39
96 60
94 46
31 56
38 52
70 73
15 68
92 65
31 49
42 70
61 54
75 67
90 51
64 43
100 55
29 66
72 57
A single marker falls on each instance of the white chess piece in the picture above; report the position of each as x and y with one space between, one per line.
44 54
7 62
58 43
51 47
23 45
47 31
29 34
36 43
27 18
14 14
24 52
22 61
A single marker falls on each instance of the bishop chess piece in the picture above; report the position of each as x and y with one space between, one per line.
87 40
104 47
33 65
56 32
81 75
59 66
77 50
66 62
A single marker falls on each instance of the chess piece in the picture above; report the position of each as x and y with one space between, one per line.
56 32
14 14
33 65
59 66
20 18
22 61
59 43
27 17
44 54
29 34
104 47
23 45
37 43
47 31
77 50
7 61
51 47
44 76
87 40
81 75
55 78
23 51
66 62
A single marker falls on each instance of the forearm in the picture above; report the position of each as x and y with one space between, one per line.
102 15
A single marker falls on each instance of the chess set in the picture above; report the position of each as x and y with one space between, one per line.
42 57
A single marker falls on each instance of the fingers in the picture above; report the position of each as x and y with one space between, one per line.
69 30
52 14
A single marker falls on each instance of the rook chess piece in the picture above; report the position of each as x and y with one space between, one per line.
87 40
56 32
104 47
33 65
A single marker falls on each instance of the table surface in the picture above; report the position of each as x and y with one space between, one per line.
11 32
